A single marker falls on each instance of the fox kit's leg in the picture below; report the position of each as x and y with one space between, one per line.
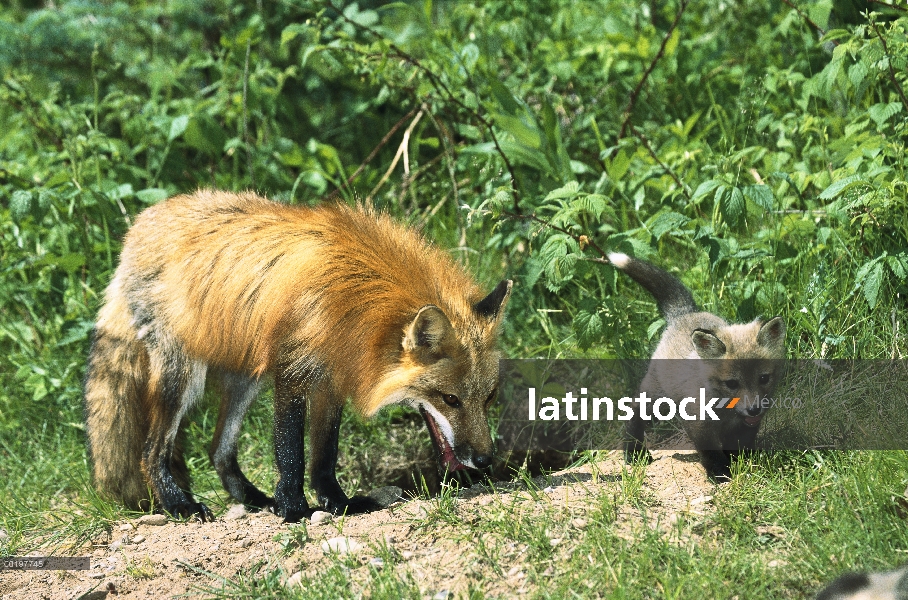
289 425
239 391
180 384
634 446
324 425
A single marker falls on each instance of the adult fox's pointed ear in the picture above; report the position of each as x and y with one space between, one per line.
428 333
492 306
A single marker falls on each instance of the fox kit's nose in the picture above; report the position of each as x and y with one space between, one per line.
482 461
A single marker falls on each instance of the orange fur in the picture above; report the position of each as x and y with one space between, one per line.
240 284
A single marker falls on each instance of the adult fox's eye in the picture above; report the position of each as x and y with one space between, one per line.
451 400
732 384
764 378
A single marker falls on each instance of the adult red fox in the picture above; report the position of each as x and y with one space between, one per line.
333 302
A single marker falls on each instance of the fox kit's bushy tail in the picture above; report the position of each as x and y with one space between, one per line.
115 389
673 299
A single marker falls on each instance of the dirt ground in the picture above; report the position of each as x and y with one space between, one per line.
142 560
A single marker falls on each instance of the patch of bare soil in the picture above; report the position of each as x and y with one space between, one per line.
158 561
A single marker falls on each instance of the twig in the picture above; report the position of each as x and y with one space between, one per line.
632 100
805 17
892 78
896 7
440 86
373 154
583 240
655 156
449 149
400 152
245 117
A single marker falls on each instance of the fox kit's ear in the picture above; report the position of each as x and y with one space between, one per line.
772 334
707 344
491 306
428 332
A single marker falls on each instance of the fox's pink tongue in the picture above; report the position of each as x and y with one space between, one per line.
448 459
753 421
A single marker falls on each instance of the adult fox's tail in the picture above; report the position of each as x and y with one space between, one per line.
116 419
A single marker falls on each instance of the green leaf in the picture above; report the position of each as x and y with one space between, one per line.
732 206
177 127
664 222
618 166
840 186
568 190
761 195
20 205
291 31
705 189
872 282
523 133
881 113
152 195
654 328
505 98
588 325
205 134
593 204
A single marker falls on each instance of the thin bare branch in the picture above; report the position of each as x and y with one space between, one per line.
655 156
373 154
632 100
895 82
805 17
444 90
582 239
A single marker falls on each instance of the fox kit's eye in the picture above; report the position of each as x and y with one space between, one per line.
732 384
451 400
764 378
491 398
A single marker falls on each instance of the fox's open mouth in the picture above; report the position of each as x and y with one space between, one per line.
446 454
753 421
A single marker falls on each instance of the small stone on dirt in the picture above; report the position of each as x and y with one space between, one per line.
701 500
555 541
549 490
138 539
237 511
386 496
340 545
406 555
294 580
126 527
152 520
320 516
443 595
579 523
114 546
377 563
3 535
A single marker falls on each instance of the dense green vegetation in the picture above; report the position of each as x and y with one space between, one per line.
757 148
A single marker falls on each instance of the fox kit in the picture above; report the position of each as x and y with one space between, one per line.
728 360
889 585
333 302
